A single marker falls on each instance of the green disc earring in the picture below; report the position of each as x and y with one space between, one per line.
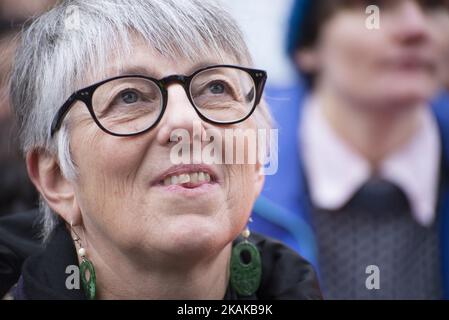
87 270
246 266
89 283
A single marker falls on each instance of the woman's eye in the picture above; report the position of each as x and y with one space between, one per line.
378 3
433 4
217 88
129 97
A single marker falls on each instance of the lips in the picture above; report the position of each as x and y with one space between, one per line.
411 62
187 176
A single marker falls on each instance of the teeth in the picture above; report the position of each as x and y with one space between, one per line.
194 177
184 178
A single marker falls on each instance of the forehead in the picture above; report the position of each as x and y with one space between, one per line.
324 9
143 59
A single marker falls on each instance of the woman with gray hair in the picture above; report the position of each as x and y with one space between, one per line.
99 89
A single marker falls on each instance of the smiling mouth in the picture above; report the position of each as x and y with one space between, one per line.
188 180
187 177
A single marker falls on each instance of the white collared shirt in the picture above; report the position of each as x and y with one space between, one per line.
335 171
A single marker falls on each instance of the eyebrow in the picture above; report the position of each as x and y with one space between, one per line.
149 71
136 70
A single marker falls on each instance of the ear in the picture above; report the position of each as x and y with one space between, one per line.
307 60
45 173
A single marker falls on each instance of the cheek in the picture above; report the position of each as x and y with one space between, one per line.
245 145
349 52
241 190
242 174
107 170
240 185
441 39
114 158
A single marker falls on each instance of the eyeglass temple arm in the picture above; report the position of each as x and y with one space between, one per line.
261 86
57 120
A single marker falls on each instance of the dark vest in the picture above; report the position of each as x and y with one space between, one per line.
376 228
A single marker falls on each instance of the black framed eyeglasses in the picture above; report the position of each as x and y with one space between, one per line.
129 105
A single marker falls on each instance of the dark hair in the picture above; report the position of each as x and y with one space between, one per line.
305 24
319 12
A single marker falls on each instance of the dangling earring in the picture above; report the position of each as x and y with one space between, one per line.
86 265
246 266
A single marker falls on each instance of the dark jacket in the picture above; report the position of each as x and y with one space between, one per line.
285 275
18 240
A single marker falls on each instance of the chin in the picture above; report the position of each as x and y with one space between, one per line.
411 97
400 95
420 88
199 236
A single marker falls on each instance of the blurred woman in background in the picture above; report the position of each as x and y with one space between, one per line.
373 157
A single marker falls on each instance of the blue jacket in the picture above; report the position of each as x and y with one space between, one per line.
283 209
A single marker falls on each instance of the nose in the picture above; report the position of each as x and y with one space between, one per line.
411 23
179 114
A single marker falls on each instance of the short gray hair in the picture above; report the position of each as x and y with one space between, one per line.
53 61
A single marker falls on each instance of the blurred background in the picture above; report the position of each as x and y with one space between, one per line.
16 192
265 25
